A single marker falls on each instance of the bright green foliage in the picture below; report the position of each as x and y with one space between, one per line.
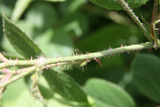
146 73
66 87
19 40
62 84
107 94
55 28
114 5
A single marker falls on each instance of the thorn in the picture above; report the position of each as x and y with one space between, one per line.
6 70
88 60
17 60
8 76
95 59
137 17
121 45
98 60
73 61
128 52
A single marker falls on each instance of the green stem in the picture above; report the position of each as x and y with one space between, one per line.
134 17
100 54
52 62
17 77
89 56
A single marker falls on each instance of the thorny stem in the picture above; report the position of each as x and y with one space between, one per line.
46 63
42 63
35 89
153 17
88 56
53 65
25 71
17 77
134 17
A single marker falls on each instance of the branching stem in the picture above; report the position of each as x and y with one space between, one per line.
88 56
134 17
46 63
17 77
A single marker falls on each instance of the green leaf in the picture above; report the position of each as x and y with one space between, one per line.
23 44
62 84
114 5
20 7
108 93
146 74
66 87
13 93
21 97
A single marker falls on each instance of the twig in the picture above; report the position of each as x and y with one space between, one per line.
89 56
134 17
52 62
15 78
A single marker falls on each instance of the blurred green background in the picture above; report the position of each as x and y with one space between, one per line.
59 28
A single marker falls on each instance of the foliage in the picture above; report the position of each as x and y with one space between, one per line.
53 30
